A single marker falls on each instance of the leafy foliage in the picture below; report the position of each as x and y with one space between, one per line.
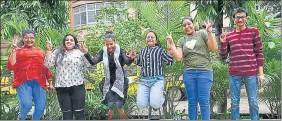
44 17
262 20
53 110
220 84
272 47
271 94
9 108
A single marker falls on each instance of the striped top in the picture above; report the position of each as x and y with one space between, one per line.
152 61
245 51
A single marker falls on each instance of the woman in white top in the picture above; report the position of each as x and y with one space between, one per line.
69 62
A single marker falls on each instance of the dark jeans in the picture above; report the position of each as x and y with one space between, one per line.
72 101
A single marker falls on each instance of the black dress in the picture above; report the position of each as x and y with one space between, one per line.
112 96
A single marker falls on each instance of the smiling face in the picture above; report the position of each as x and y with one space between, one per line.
188 27
110 44
240 19
29 40
151 39
69 43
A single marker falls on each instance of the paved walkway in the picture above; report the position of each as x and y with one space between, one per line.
244 107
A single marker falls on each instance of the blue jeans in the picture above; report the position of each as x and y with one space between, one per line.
251 83
150 87
112 104
198 86
28 91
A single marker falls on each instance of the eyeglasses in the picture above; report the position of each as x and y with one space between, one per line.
240 17
28 38
149 37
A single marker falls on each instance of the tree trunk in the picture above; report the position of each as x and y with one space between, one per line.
219 25
223 106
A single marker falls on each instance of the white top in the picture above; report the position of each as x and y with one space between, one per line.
70 72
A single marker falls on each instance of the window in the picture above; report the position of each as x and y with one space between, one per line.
80 15
89 13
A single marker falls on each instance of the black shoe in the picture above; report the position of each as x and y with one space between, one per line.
155 118
155 109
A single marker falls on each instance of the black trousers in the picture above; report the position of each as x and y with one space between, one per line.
72 101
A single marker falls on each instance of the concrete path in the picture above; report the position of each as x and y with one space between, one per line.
244 107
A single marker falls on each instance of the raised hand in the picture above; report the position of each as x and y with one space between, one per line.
169 50
169 39
170 44
49 44
15 40
223 36
83 48
208 26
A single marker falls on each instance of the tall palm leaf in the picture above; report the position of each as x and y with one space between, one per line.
51 34
39 14
162 16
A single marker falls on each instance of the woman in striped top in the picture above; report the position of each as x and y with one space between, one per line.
151 84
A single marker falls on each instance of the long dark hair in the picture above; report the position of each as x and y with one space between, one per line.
76 46
158 42
62 46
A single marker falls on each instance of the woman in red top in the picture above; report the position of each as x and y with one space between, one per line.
30 75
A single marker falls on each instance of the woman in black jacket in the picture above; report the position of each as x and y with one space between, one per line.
114 85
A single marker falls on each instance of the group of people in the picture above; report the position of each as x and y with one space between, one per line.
31 68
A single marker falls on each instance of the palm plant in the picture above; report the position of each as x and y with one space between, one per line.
220 85
52 34
53 111
162 16
9 107
39 15
12 25
263 21
271 94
